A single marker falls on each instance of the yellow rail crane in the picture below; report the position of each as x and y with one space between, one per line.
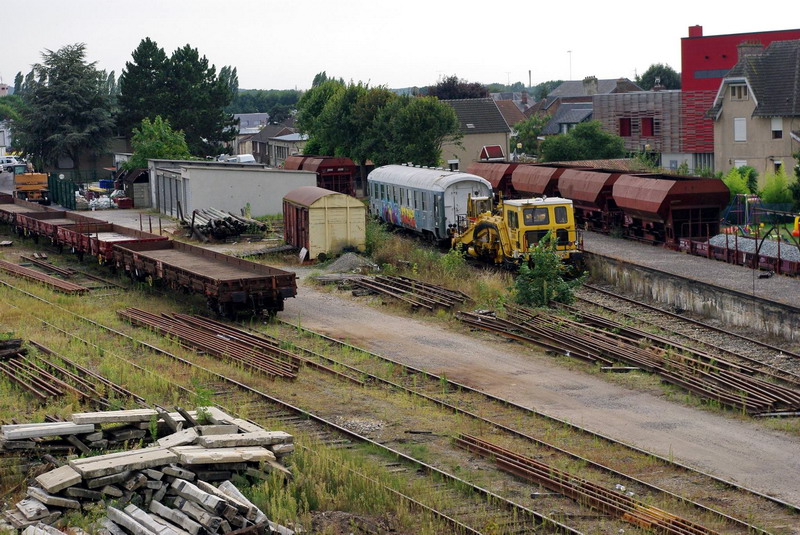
504 236
29 185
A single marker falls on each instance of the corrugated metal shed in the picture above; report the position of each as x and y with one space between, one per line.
325 222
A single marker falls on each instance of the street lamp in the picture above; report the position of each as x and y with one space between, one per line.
570 63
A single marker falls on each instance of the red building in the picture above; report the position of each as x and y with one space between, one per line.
704 62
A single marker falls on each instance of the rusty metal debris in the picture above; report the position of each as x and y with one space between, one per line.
33 275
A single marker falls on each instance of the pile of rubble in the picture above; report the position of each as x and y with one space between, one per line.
178 485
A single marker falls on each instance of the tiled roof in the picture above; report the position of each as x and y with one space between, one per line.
577 88
773 77
510 111
568 114
478 116
272 130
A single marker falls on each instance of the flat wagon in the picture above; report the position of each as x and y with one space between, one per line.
11 206
229 284
98 238
46 224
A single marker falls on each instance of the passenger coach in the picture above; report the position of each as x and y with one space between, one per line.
428 201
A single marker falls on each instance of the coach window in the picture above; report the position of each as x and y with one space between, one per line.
383 193
539 216
561 215
422 196
416 197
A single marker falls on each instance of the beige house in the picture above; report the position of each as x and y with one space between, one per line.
482 125
281 147
756 106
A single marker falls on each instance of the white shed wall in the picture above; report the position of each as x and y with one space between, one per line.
228 189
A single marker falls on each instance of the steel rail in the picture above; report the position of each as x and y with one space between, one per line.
565 423
488 496
693 321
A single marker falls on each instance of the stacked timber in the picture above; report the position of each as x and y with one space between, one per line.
213 223
179 484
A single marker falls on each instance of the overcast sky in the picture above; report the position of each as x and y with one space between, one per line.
282 44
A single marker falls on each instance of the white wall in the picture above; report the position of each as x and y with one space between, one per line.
231 189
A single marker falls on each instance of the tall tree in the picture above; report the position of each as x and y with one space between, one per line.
66 111
412 129
18 83
664 73
142 86
453 87
313 101
10 107
196 99
543 89
587 141
183 89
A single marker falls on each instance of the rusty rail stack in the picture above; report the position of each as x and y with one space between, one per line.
44 378
414 292
33 275
610 502
264 360
723 382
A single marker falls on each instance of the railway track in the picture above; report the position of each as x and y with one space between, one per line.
751 342
431 388
476 507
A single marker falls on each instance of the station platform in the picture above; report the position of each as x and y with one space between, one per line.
777 288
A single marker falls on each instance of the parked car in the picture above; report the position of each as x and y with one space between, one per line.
7 162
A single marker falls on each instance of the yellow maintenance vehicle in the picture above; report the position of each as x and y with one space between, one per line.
29 185
505 235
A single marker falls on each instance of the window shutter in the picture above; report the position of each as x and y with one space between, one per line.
740 129
777 124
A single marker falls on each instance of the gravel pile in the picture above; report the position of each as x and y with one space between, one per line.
351 263
768 247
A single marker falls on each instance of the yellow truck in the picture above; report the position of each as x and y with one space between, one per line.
30 186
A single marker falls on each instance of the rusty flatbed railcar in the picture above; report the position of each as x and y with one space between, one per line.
229 284
11 206
46 224
98 238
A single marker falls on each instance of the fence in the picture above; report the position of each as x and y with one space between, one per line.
62 191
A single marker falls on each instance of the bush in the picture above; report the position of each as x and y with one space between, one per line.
736 183
541 280
750 176
776 190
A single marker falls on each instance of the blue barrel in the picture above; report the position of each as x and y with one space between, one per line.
106 183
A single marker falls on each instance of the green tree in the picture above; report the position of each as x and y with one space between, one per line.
311 104
736 183
542 279
776 188
183 89
543 89
666 74
528 132
10 107
142 86
66 111
453 87
156 140
587 141
18 83
750 176
794 186
412 129
196 99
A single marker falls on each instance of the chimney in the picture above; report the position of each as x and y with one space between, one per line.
657 86
525 97
749 48
696 31
590 85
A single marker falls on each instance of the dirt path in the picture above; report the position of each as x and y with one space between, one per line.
738 451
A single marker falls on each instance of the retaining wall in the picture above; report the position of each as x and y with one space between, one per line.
730 307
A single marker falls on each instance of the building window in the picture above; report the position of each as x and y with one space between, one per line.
625 127
647 127
777 127
739 163
739 92
740 129
777 165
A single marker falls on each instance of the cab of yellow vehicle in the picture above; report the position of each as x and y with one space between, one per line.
529 220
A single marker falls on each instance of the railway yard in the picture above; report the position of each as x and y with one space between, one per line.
614 418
